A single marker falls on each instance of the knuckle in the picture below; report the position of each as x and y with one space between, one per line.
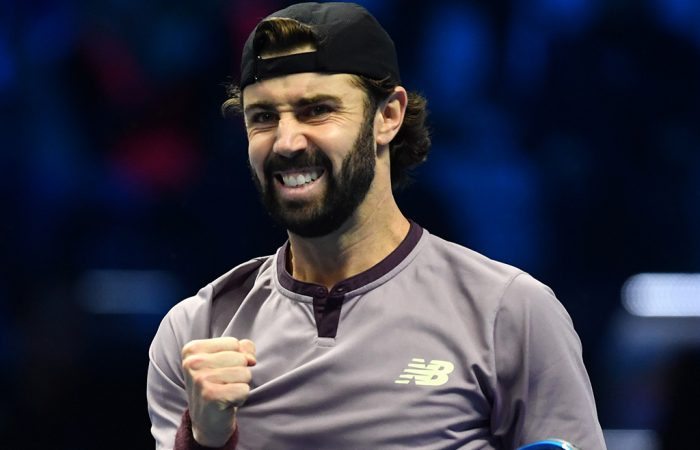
208 394
243 390
227 343
199 378
191 363
190 348
238 394
229 359
231 339
248 345
246 375
238 360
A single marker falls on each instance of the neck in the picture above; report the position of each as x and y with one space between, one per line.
370 235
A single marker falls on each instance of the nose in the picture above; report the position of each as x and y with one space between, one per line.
290 138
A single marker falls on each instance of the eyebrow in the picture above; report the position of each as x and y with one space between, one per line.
301 103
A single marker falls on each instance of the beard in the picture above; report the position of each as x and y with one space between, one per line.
344 191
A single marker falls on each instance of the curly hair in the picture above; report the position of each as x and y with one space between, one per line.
408 149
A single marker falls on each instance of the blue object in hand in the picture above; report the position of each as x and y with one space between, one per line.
549 444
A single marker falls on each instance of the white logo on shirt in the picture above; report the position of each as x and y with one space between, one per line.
435 373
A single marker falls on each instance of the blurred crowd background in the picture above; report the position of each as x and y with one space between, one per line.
566 142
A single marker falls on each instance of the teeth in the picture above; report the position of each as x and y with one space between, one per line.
299 179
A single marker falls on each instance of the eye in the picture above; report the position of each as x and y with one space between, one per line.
263 117
317 111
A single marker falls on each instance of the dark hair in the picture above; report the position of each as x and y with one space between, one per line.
410 146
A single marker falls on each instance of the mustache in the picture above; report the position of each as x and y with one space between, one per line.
302 160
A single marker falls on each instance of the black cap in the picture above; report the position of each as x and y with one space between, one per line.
350 40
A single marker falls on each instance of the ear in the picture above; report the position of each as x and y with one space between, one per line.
390 116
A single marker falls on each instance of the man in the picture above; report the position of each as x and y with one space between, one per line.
363 330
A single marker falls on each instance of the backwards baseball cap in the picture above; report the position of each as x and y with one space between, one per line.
350 40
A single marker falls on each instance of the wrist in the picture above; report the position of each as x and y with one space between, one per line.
213 440
185 437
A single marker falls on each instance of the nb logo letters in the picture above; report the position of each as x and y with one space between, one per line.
435 373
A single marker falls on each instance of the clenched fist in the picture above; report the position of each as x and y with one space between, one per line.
217 379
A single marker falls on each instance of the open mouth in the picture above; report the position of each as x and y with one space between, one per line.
299 178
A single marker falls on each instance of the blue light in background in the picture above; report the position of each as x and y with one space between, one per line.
564 12
379 8
676 13
534 26
50 34
655 328
494 192
56 168
176 46
681 16
495 204
111 291
662 295
631 439
7 66
526 56
456 56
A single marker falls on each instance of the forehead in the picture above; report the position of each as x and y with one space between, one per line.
288 89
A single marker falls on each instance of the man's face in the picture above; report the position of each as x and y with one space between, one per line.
311 149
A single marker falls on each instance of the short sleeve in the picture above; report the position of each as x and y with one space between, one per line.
188 320
166 395
542 387
165 385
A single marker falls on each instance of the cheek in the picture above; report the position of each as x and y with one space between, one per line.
336 146
256 157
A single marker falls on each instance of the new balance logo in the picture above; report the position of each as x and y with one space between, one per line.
435 373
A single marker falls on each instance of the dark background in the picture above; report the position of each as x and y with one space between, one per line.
566 142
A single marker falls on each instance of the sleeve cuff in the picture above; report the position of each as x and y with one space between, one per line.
184 440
